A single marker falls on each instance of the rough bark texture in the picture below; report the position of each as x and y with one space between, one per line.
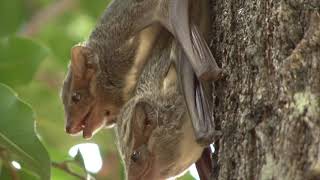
268 105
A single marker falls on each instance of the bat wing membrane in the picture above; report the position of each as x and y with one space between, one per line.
192 42
196 99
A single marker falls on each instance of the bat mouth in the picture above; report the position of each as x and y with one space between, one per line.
90 122
93 122
87 130
76 129
85 120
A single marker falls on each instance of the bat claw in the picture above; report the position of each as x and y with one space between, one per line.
223 74
212 75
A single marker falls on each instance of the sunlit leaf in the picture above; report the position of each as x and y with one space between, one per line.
79 159
17 134
19 60
187 176
78 164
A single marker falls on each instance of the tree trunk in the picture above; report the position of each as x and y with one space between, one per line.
268 105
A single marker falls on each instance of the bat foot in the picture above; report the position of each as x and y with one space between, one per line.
207 138
212 75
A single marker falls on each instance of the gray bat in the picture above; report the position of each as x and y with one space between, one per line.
180 17
154 131
100 78
104 70
197 99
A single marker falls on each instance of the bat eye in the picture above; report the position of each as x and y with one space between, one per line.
135 156
76 97
90 64
111 83
147 121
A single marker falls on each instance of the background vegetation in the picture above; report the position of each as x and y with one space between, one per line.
35 41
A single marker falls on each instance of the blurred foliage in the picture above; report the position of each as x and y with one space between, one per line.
21 140
28 54
12 14
34 54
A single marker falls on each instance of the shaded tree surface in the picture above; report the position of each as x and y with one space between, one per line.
267 106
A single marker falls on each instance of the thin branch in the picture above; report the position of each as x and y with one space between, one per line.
13 171
64 167
46 15
6 163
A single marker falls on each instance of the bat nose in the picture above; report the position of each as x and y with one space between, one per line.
71 129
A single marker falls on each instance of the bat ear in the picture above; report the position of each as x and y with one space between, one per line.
82 60
144 122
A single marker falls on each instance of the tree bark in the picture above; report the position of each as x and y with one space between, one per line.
268 105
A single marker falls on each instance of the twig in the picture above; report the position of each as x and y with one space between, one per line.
6 163
46 15
64 166
13 171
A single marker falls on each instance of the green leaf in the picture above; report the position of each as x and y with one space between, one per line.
58 174
7 173
17 134
25 175
187 176
79 159
19 60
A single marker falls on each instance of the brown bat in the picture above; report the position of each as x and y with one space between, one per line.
155 135
104 70
183 18
99 79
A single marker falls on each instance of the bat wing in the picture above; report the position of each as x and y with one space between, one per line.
192 42
196 98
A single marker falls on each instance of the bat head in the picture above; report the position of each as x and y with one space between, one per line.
156 139
85 109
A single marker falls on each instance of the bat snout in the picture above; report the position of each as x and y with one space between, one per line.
73 129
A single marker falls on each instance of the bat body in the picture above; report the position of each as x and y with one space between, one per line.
154 131
100 77
186 20
180 17
104 70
